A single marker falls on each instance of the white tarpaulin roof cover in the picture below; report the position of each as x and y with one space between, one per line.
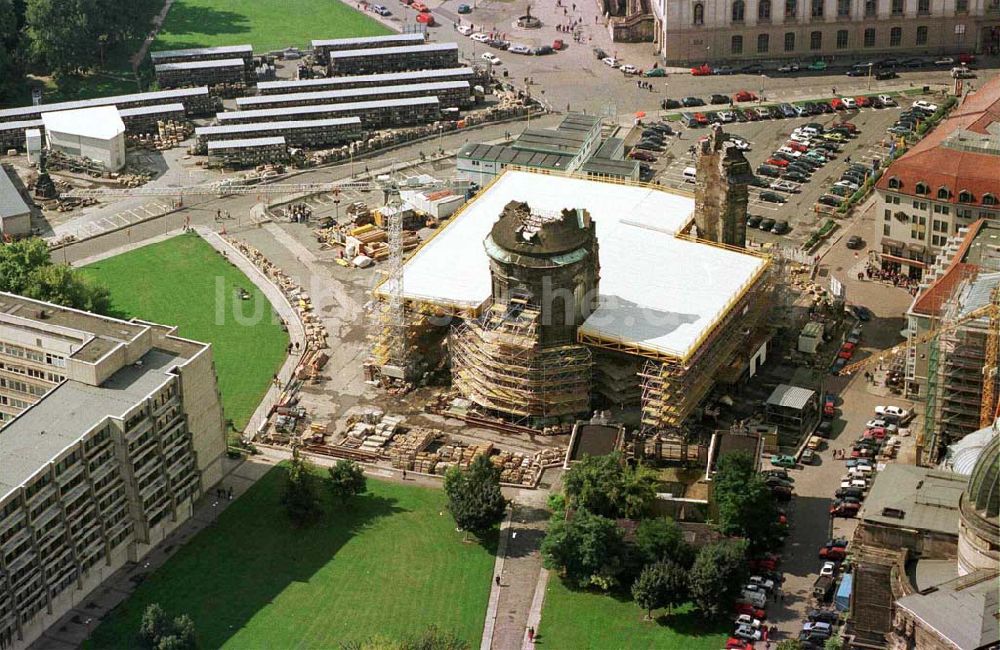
657 291
99 122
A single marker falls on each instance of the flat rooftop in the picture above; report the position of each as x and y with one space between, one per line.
374 91
249 143
200 65
203 51
395 51
659 293
349 107
373 79
156 96
365 40
510 156
206 131
59 420
12 204
151 110
912 497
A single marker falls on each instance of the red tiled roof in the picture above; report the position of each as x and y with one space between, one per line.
939 166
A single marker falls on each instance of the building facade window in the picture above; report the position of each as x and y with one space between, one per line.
871 8
922 35
989 199
923 7
894 183
815 40
699 14
762 44
818 8
869 37
791 9
736 46
895 36
764 11
965 196
921 188
738 11
961 6
959 34
841 39
943 193
789 41
843 8
897 7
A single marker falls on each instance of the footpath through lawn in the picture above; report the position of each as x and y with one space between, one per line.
185 283
389 562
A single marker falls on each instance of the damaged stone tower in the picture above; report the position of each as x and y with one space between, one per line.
520 360
721 191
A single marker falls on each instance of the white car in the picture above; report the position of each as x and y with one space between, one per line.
464 30
747 633
518 48
801 138
628 68
849 482
491 58
746 619
740 143
849 102
480 37
762 582
807 130
829 568
860 471
788 151
944 60
725 117
887 100
927 107
785 186
879 423
848 184
897 412
610 61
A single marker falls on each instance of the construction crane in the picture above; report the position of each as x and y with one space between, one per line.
990 408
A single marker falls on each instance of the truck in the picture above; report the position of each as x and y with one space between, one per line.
823 588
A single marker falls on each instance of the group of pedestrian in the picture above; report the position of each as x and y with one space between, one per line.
872 272
223 493
645 85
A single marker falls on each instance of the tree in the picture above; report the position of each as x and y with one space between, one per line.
347 479
717 576
833 643
300 498
431 638
65 285
184 631
661 584
19 260
10 70
605 486
585 547
474 496
660 539
744 502
789 644
62 34
154 624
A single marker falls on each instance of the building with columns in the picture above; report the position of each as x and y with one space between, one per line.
699 31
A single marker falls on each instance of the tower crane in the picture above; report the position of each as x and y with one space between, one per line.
989 407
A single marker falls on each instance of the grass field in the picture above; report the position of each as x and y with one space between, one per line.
184 282
586 620
388 562
265 25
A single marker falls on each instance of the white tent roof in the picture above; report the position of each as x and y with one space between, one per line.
658 291
100 122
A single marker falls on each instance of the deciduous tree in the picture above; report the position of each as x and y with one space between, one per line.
347 479
154 624
718 574
744 502
605 486
474 496
660 539
301 498
585 547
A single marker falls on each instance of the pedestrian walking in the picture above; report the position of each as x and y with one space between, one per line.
531 634
230 492
404 474
497 579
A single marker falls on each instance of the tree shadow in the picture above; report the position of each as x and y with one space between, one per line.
689 621
187 19
231 571
524 539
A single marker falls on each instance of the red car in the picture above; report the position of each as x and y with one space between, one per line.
966 58
845 510
830 405
833 553
426 19
738 644
797 146
862 101
751 611
751 115
744 96
837 104
777 162
846 351
849 126
421 7
702 70
701 119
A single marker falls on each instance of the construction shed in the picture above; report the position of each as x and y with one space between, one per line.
96 134
144 119
236 154
449 93
197 101
310 134
394 59
793 409
184 74
323 47
374 115
286 86
242 52
15 215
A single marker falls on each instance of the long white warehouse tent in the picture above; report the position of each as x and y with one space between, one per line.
450 93
362 81
202 54
184 95
411 110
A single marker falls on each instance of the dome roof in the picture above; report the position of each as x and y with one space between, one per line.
961 457
983 493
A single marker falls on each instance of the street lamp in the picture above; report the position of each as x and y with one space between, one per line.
760 97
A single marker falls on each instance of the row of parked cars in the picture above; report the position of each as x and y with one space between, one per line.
751 608
910 118
818 65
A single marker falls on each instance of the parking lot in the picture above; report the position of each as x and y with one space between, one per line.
765 136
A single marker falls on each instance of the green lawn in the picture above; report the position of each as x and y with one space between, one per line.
582 619
390 562
265 24
184 282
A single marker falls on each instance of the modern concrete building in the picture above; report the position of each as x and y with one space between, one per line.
15 215
699 31
96 134
944 183
111 431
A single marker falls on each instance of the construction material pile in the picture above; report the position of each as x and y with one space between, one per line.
315 331
169 134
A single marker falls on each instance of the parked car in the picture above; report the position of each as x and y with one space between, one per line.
744 96
788 68
381 10
863 313
835 553
766 224
809 457
779 460
692 101
747 619
719 99
795 177
830 200
628 68
773 171
924 106
897 412
752 68
818 627
425 19
828 569
777 162
784 186
491 58
701 71
642 155
464 9
656 72
743 609
600 54
610 61
837 104
763 112
753 220
542 50
823 616
854 242
772 197
780 227
518 48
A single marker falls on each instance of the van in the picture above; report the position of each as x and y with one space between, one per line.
755 598
689 174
